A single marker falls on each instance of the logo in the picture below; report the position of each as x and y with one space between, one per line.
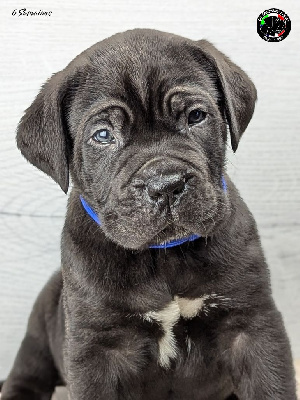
273 25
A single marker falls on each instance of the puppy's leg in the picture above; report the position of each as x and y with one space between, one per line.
34 375
98 372
105 363
260 360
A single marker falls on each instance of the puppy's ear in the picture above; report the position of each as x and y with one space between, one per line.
42 132
238 90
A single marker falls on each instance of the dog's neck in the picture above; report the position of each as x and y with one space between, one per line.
165 245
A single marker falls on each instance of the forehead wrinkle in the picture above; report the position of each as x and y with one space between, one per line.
102 105
105 104
145 85
136 89
186 91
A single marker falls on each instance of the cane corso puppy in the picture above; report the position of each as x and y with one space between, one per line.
164 292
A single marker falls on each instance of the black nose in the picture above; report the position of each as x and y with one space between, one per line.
165 189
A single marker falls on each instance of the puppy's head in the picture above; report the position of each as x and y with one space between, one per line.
140 121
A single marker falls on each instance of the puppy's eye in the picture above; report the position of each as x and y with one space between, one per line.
196 116
103 136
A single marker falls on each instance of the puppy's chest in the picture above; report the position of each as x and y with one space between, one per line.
181 322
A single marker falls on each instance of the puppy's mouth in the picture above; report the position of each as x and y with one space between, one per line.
135 223
176 229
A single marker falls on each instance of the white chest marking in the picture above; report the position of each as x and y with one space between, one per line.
189 308
168 317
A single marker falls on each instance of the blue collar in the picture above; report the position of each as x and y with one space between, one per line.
165 245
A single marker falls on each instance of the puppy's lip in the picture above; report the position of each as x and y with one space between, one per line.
170 233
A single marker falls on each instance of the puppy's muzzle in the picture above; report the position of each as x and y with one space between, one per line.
163 181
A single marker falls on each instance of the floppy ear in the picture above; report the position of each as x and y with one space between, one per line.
42 131
238 90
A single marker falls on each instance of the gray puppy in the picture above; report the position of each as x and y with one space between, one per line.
164 291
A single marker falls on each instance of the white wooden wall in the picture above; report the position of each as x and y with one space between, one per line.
266 167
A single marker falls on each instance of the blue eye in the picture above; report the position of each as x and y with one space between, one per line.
103 136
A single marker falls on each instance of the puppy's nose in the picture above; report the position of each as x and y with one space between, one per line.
165 189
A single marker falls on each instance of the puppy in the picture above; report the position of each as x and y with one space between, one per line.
164 292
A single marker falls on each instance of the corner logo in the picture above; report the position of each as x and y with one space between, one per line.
273 25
